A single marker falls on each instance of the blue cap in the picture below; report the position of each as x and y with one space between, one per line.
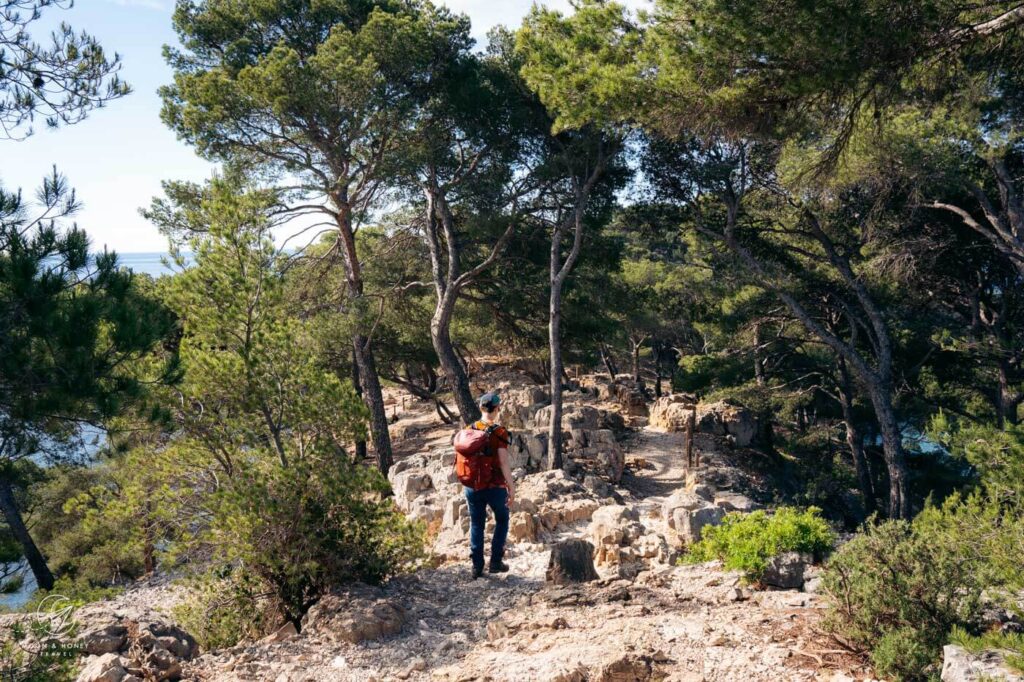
489 400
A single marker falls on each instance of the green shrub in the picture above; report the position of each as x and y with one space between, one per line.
77 591
292 533
904 654
747 542
221 611
899 589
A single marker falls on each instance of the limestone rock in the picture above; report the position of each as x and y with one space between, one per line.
355 615
625 669
959 665
724 418
735 502
103 639
106 668
671 412
407 486
787 570
522 527
689 524
681 499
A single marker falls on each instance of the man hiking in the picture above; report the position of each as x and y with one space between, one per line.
481 464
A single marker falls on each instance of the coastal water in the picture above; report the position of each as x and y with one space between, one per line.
154 264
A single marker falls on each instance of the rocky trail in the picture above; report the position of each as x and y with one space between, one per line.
626 490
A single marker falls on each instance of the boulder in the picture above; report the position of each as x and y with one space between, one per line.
597 485
104 639
787 570
609 524
355 616
725 418
681 499
612 421
528 449
408 485
582 417
626 668
689 524
106 668
522 527
734 502
959 665
671 412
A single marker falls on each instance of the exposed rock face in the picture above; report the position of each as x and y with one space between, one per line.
671 412
959 665
108 667
598 451
121 650
721 418
519 407
622 543
727 419
690 523
787 570
687 513
355 615
734 502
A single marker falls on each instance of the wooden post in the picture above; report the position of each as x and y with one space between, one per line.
691 427
689 442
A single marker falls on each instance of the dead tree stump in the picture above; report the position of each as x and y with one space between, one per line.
572 561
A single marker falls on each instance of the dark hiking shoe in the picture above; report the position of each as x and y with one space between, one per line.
500 567
478 572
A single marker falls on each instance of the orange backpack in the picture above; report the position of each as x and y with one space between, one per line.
475 463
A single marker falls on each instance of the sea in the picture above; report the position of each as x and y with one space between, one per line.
152 263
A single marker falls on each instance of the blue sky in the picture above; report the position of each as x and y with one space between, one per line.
118 156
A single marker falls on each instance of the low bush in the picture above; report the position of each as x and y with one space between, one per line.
747 542
899 589
221 610
289 534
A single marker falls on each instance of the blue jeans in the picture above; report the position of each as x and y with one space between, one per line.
479 501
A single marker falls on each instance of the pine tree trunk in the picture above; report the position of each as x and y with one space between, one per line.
758 360
892 444
362 351
555 349
374 399
607 360
636 361
9 506
440 336
854 439
358 386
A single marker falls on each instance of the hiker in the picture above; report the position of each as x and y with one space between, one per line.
482 467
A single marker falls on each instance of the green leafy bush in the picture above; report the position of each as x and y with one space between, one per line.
222 610
747 542
77 592
301 529
900 588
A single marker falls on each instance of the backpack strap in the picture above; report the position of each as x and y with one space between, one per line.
489 430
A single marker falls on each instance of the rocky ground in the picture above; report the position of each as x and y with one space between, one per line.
626 489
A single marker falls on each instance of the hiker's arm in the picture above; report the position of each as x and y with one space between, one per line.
503 461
